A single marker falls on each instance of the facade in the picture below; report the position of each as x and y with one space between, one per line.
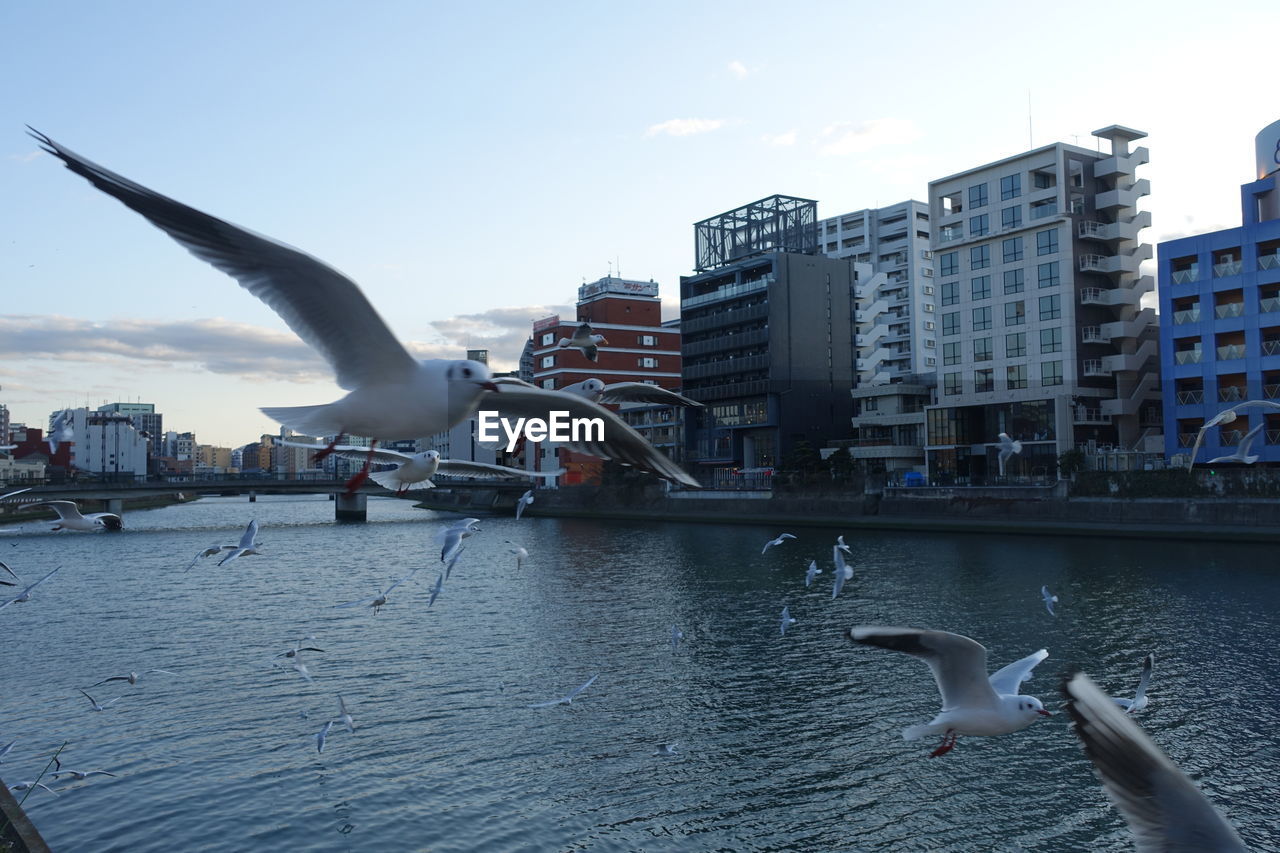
107 443
889 425
1041 331
1220 343
767 328
146 420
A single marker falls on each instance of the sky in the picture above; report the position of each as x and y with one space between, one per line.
469 165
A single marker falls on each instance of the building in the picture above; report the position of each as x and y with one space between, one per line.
146 420
1220 342
107 443
4 424
213 460
1041 330
767 327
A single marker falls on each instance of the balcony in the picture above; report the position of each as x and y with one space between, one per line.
1271 347
1188 315
1093 335
1230 394
1269 305
1086 415
1093 367
1123 198
1233 351
1190 398
1114 231
1093 296
1271 392
1191 273
1187 439
1229 309
1227 268
1269 262
728 291
1188 356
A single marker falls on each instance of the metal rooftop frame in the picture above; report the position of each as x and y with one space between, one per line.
778 223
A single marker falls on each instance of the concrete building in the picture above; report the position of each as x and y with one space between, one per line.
1041 331
767 327
1220 342
107 443
145 419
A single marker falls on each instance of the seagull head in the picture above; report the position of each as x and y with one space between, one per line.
427 456
1029 707
593 386
599 339
469 372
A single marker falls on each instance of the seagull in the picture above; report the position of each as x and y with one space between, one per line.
8 747
568 700
1164 810
812 573
843 547
207 552
1049 599
324 733
248 545
1226 416
1241 453
298 647
585 339
344 716
415 470
843 571
525 500
23 786
676 636
79 775
11 573
61 430
521 554
448 569
781 538
435 591
450 539
1139 700
391 396
69 518
96 706
1008 449
25 595
19 491
132 677
666 749
972 703
786 620
628 392
380 600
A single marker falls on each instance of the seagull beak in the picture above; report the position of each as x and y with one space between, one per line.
1042 712
488 386
604 340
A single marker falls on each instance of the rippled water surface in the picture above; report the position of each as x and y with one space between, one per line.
785 743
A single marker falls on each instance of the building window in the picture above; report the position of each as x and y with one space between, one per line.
1011 217
548 339
951 384
930 343
647 362
979 225
950 292
977 195
980 257
1015 345
982 349
949 264
1047 241
1051 373
1041 209
929 325
1010 187
982 318
870 404
1050 307
951 352
1013 281
548 361
984 380
980 287
931 362
648 341
1044 180
951 323
1015 313
549 383
1015 377
1051 339
928 307
1011 250
1047 274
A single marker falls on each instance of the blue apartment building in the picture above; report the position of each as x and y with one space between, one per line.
1220 322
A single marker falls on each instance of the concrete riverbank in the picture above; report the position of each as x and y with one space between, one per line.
17 833
15 512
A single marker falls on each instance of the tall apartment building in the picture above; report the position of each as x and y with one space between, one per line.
145 419
767 327
107 443
1042 334
1220 342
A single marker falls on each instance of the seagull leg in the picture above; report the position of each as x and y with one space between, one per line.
948 744
328 449
363 474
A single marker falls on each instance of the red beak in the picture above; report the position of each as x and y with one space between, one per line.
604 340
1043 712
488 386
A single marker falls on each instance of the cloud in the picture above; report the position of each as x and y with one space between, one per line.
685 126
788 138
502 331
738 69
847 138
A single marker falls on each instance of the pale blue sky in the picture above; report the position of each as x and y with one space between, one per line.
459 160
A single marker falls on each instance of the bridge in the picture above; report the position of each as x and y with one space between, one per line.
112 492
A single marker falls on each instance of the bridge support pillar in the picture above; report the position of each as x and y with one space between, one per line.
253 497
115 505
350 507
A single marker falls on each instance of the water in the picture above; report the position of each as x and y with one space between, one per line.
786 743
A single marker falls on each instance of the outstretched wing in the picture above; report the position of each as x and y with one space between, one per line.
483 470
643 392
359 454
1007 680
959 664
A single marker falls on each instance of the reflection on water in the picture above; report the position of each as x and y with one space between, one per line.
785 743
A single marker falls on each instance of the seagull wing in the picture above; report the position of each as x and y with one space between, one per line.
325 308
583 332
42 580
18 492
1164 810
513 381
12 574
1247 441
959 664
483 470
360 454
1144 680
643 392
247 540
363 601
1006 681
402 580
590 681
65 509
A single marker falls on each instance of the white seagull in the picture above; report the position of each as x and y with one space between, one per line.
61 430
628 392
248 545
435 590
1226 416
415 470
972 703
521 554
1164 810
132 677
25 595
812 573
667 749
1008 449
80 775
392 396
586 340
324 733
1241 453
781 538
1139 700
786 620
380 600
69 518
23 786
1049 600
344 716
524 501
568 700
96 706
676 636
843 571
450 539
843 547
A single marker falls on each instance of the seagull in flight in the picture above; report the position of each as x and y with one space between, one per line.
781 538
676 636
1226 416
25 595
972 702
628 392
1164 809
450 539
80 775
521 554
248 545
786 620
1049 600
843 547
812 573
324 733
96 706
1241 453
344 716
380 600
524 501
1008 449
585 339
415 470
298 647
23 786
69 518
132 677
1139 700
667 749
843 571
61 430
391 395
568 700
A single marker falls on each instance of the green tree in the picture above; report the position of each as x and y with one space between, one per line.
841 464
1072 462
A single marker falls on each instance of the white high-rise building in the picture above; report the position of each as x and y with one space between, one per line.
107 443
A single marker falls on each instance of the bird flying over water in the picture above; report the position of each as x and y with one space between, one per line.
450 539
843 571
70 518
80 775
248 545
132 677
666 749
25 595
783 537
1139 700
378 601
23 786
525 500
812 573
323 733
521 554
1049 600
415 470
585 339
568 700
786 620
344 716
96 706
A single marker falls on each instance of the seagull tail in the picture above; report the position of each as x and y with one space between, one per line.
389 480
917 732
310 420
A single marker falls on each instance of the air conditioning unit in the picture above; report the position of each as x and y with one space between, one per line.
926 254
928 271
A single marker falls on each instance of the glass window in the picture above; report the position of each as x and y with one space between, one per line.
1013 281
949 264
1043 180
951 352
1051 339
950 292
648 340
548 339
549 383
1051 373
980 287
1015 376
951 324
982 349
951 384
982 318
548 361
1015 345
977 195
980 257
979 225
1012 250
1050 307
984 380
1047 241
1047 274
647 362
1011 217
1015 313
1010 187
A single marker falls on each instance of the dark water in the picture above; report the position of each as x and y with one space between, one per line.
785 743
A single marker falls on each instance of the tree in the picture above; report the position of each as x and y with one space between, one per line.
841 463
1072 462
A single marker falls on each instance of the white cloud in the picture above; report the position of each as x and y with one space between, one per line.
738 69
685 126
848 138
780 139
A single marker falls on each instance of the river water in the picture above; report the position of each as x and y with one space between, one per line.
783 743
